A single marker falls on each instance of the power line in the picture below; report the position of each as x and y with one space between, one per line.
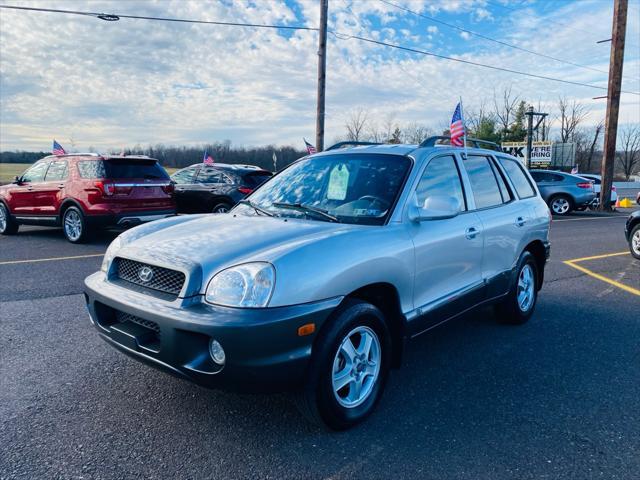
477 64
114 17
485 37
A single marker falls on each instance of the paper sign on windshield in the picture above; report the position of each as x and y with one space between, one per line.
338 183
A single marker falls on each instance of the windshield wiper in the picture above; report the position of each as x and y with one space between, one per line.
256 207
309 210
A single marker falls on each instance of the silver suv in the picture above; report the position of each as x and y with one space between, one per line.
315 282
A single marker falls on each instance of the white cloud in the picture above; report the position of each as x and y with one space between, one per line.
432 29
109 84
465 35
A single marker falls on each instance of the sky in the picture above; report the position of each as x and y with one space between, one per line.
103 85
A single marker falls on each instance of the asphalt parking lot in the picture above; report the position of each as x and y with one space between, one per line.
556 398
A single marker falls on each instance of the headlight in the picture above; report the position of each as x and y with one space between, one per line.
248 285
110 254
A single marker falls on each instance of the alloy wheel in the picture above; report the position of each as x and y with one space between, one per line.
356 367
560 206
635 242
526 288
72 225
3 218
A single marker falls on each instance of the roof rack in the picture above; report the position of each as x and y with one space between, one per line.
350 144
431 142
81 154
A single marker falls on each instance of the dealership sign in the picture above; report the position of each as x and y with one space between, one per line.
540 152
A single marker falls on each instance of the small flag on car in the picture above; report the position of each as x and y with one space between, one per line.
57 149
310 148
207 159
456 130
574 170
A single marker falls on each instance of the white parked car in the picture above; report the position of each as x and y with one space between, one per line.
597 184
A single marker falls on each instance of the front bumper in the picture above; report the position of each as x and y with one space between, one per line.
263 350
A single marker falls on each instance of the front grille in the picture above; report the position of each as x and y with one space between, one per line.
123 317
161 279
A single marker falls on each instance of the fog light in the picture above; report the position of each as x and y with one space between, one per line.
217 352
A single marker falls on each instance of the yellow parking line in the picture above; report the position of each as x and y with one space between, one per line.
602 278
52 259
595 257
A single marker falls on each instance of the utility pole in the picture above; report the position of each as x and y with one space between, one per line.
613 100
529 115
322 74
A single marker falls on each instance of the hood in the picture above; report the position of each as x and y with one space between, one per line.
202 246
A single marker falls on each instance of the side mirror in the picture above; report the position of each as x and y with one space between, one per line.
435 207
17 180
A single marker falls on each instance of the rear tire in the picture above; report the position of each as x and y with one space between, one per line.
353 350
8 226
560 205
518 306
634 241
221 207
74 225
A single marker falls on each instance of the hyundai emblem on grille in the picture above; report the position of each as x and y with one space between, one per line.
145 274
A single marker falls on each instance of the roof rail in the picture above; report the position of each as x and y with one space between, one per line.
475 142
350 144
81 154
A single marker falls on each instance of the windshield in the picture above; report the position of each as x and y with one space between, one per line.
348 188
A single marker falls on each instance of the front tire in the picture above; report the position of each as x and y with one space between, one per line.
8 226
221 208
349 367
518 306
560 205
74 225
634 241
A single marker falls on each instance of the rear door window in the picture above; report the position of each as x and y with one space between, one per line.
35 173
147 169
91 169
209 175
518 178
57 171
255 179
484 184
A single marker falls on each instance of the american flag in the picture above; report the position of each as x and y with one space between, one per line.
57 149
310 148
574 170
457 127
207 159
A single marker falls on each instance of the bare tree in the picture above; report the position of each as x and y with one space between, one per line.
571 114
356 124
505 106
415 133
587 140
475 116
629 153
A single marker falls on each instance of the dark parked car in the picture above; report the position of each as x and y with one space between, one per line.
632 233
215 188
82 191
563 192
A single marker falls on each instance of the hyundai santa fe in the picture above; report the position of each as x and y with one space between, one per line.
81 192
315 282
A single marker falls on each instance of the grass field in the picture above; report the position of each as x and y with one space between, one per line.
9 170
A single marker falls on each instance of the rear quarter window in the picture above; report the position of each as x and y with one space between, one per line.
518 178
91 169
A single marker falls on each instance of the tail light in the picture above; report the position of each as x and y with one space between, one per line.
585 185
169 188
106 188
245 190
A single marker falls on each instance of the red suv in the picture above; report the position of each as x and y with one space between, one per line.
83 191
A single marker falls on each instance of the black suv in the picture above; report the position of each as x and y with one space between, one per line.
203 188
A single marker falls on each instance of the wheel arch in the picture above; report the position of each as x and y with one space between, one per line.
537 249
385 297
68 202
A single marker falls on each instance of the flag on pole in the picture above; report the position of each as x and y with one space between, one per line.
310 148
574 170
457 127
207 159
57 148
275 162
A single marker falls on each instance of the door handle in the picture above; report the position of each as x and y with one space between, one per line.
520 221
471 232
61 185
